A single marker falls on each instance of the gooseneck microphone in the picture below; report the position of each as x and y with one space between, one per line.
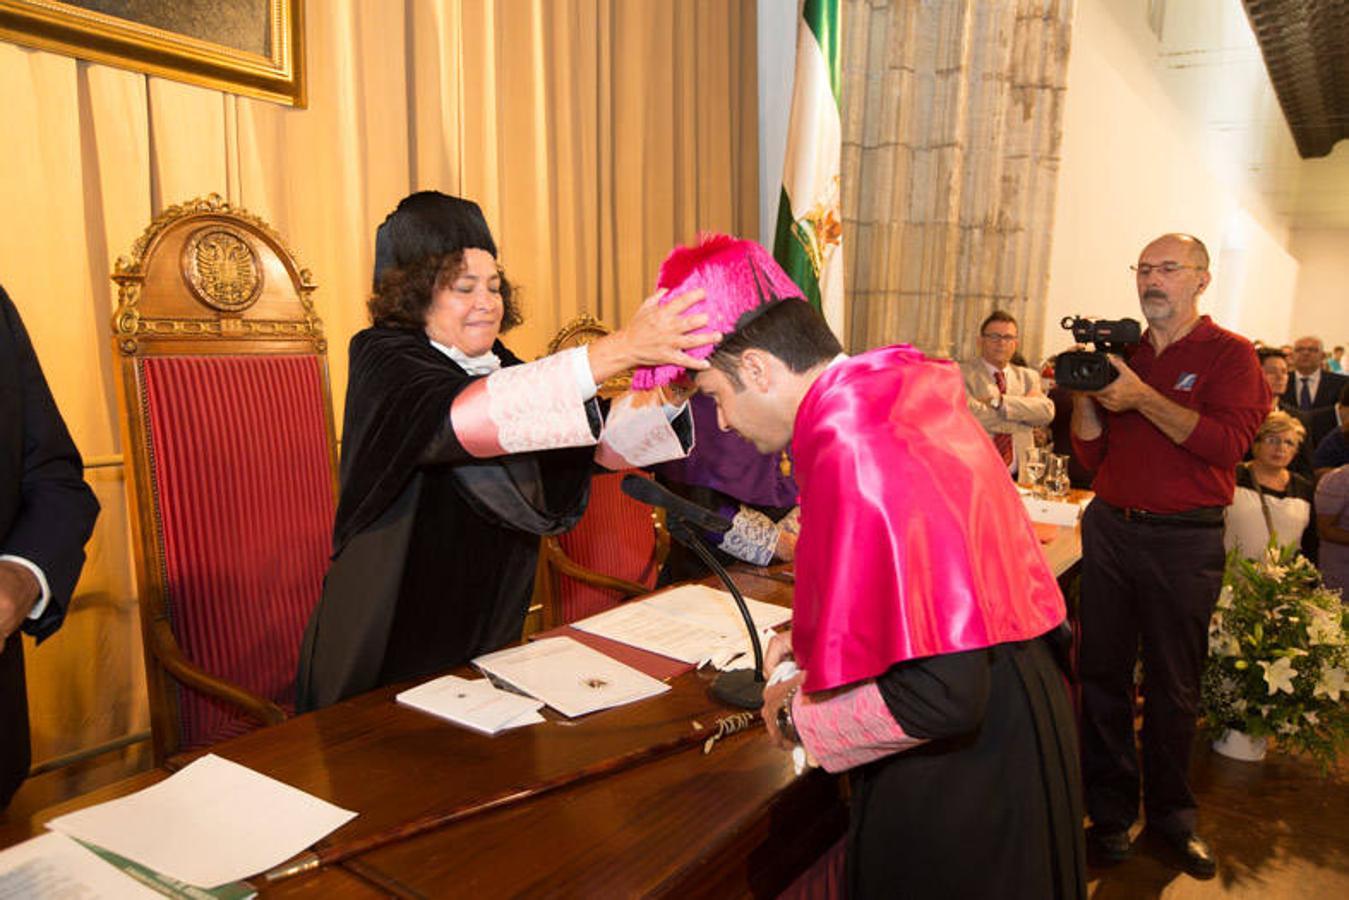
741 687
644 490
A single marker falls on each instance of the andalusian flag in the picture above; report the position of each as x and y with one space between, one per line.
809 238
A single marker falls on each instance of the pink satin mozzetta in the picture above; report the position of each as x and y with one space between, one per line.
914 542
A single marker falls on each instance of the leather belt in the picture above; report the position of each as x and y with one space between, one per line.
1204 516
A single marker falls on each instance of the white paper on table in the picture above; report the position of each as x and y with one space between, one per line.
1052 512
213 822
716 609
475 704
569 676
53 865
639 624
691 623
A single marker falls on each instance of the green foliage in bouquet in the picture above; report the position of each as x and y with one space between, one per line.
1278 655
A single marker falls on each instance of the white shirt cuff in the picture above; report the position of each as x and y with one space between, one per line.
585 379
46 592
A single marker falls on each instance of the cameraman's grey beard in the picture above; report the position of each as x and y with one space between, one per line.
1154 294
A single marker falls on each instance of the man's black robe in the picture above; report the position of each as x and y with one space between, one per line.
434 550
991 806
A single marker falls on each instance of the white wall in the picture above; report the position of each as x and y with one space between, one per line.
777 66
1136 163
1322 305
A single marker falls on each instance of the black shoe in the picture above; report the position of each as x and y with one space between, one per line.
1187 851
1106 848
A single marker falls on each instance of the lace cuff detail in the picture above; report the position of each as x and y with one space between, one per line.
846 729
638 433
753 537
535 406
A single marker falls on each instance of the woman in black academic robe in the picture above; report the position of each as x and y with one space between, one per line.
457 456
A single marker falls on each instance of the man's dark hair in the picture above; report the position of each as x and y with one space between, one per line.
1265 353
789 329
1344 395
404 293
998 315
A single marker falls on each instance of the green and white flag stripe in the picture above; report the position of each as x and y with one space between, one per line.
808 242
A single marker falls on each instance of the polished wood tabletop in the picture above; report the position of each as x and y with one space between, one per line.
666 826
737 821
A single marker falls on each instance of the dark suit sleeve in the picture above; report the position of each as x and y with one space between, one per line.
56 509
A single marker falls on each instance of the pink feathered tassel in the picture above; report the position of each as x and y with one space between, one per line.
736 275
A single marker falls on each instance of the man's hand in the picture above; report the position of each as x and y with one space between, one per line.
19 590
778 649
773 697
1126 392
786 547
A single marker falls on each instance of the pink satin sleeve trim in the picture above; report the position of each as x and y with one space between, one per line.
846 729
637 433
535 406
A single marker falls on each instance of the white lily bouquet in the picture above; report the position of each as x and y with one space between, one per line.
1279 655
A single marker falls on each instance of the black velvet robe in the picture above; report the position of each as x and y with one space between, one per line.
434 550
992 805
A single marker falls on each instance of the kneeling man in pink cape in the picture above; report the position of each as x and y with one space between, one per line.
924 613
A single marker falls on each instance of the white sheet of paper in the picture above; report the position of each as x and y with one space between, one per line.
716 609
474 704
569 676
638 624
52 865
692 623
1052 512
213 822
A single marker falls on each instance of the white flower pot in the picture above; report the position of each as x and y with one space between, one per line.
1240 745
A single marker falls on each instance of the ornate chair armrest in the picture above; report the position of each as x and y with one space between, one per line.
558 558
168 653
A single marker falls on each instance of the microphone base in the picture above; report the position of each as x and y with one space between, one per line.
739 688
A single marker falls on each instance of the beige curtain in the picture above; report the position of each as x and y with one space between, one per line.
952 116
595 133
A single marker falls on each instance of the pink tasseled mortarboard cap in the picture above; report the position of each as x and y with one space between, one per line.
736 275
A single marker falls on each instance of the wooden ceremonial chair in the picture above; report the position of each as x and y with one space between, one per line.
227 432
615 552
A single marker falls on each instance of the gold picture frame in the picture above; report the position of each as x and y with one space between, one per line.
249 47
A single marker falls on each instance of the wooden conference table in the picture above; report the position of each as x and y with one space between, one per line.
735 822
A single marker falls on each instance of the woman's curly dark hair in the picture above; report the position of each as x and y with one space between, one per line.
404 292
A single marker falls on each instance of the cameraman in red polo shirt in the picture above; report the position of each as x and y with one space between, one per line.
1164 439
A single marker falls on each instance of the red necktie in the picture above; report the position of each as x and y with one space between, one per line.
1002 441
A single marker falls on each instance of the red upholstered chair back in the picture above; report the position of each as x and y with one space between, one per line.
617 548
616 537
228 435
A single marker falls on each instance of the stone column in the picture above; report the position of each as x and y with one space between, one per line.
952 118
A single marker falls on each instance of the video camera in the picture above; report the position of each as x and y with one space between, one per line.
1084 370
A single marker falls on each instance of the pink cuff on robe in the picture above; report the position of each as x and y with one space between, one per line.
535 406
637 433
845 729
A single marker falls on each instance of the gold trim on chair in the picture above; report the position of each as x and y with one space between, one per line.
224 273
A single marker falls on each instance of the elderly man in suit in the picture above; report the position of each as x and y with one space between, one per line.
46 514
1006 399
1312 388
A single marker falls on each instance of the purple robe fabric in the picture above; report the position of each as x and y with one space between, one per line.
729 464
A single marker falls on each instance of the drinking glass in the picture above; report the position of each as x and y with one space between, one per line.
1056 475
1032 466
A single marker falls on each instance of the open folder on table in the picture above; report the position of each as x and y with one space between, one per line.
569 676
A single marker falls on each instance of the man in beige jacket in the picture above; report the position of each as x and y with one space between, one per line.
1006 399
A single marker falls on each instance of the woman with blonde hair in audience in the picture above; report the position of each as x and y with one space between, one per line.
1270 501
